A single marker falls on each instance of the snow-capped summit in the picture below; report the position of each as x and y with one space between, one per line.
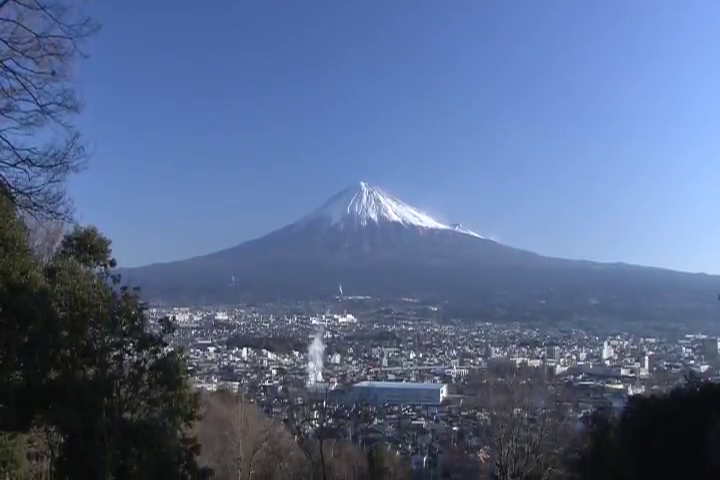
376 245
364 204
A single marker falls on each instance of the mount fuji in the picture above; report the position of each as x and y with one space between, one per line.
375 244
364 205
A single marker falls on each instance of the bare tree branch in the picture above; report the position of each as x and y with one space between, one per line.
239 442
44 237
39 144
525 428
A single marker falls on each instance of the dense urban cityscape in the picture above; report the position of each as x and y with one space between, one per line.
355 351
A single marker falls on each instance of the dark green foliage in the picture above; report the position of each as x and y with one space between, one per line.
126 392
78 353
676 435
24 314
13 456
87 247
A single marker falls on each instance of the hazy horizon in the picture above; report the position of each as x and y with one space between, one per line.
571 130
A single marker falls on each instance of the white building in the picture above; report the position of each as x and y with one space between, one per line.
608 351
650 362
399 393
347 318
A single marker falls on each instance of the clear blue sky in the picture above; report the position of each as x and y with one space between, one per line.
583 129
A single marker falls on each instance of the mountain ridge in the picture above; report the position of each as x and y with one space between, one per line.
375 244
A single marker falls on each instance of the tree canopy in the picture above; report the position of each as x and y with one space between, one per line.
674 435
78 355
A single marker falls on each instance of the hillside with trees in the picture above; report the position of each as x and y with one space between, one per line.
241 442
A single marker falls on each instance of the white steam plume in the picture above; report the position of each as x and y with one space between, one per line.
316 352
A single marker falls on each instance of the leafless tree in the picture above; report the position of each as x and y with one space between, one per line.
39 145
44 236
329 435
264 449
43 450
385 463
526 430
239 442
312 421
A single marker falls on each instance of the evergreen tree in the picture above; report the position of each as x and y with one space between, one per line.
25 313
671 435
123 400
79 354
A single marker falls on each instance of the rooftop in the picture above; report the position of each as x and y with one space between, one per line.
404 385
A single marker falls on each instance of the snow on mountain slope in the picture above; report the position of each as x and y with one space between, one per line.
365 204
459 228
374 244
